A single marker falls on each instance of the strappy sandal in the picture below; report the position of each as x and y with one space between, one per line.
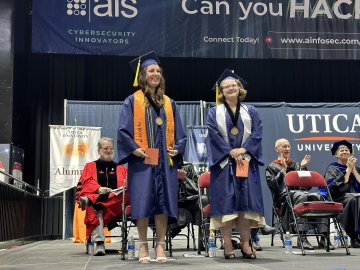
158 258
230 255
145 259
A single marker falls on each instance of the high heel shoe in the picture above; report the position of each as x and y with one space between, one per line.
229 256
249 256
145 259
160 259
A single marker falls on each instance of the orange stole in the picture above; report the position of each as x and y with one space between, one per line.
140 134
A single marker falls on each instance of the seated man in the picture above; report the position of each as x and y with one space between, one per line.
343 179
188 201
93 192
275 173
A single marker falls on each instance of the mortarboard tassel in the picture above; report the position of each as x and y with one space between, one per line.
135 84
171 162
217 93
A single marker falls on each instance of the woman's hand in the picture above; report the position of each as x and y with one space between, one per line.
140 152
237 153
172 152
351 163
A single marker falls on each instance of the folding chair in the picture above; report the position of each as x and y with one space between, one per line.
313 209
203 184
276 222
124 221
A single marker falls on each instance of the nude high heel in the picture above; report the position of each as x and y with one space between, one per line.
145 259
160 259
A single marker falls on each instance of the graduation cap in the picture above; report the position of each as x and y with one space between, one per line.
226 75
142 62
337 144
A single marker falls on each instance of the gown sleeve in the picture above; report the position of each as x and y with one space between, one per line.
253 143
180 133
125 135
274 178
335 180
87 183
218 149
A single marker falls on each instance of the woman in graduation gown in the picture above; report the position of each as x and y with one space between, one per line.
235 134
151 139
343 179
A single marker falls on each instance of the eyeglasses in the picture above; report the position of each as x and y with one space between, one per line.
229 86
108 148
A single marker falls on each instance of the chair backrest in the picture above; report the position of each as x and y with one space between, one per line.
204 180
125 183
304 179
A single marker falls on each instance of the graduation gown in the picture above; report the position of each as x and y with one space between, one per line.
111 204
153 189
230 194
347 194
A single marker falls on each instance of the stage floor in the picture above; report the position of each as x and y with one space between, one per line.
65 255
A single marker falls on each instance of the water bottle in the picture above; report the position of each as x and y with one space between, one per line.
89 248
131 248
336 239
346 239
212 244
288 244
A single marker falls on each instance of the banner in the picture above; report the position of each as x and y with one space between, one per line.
290 29
311 130
197 153
70 148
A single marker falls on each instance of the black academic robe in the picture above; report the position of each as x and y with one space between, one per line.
347 194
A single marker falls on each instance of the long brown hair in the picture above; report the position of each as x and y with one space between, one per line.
159 91
241 96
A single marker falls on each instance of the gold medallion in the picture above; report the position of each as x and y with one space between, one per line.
234 131
159 121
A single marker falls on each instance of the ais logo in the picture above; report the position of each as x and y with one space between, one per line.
102 8
76 7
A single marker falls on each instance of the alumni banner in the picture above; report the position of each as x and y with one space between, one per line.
70 148
290 29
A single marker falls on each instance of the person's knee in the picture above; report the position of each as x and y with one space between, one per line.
205 200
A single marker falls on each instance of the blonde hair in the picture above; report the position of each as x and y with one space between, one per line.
241 96
159 91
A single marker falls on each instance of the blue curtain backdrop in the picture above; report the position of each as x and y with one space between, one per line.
311 128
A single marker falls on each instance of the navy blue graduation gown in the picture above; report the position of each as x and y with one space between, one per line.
153 189
230 194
